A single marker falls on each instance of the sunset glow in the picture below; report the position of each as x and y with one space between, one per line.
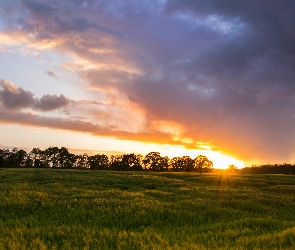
176 77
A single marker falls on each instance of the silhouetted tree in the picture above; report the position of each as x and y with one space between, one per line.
81 161
70 161
164 164
116 163
98 162
51 157
132 162
176 164
66 159
36 158
203 164
188 163
284 168
16 158
153 161
182 164
61 158
232 168
4 153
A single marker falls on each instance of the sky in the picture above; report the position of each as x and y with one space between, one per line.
180 77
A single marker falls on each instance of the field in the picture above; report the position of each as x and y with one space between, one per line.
76 209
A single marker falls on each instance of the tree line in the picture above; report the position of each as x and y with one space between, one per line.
284 168
61 158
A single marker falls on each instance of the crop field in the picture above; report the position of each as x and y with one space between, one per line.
76 209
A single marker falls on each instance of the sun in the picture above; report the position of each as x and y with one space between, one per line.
222 161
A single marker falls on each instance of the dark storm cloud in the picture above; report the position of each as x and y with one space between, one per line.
224 70
262 55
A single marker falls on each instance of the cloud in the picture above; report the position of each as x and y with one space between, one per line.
13 97
112 110
222 71
27 118
4 50
40 8
260 54
51 74
51 102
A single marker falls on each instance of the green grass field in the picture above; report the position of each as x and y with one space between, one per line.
76 209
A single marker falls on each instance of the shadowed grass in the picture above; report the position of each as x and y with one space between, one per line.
70 209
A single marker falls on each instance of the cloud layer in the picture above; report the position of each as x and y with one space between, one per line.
220 73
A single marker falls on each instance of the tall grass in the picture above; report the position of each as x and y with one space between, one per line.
72 209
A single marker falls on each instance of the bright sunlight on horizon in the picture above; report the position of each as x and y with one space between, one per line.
85 143
220 161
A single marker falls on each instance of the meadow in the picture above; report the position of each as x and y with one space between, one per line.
83 209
